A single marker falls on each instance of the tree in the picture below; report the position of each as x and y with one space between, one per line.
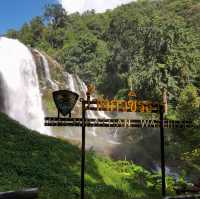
56 15
12 34
26 35
189 104
37 28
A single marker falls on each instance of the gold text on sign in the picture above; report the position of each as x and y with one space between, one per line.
126 106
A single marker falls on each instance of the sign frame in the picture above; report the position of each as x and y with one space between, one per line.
85 122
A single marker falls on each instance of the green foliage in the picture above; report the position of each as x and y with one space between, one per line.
55 15
143 46
29 159
187 150
12 33
192 156
189 104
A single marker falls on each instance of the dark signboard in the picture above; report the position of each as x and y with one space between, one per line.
65 101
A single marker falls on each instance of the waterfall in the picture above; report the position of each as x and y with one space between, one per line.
20 98
21 95
20 87
75 84
48 78
71 83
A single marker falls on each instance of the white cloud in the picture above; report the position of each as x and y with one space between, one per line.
98 5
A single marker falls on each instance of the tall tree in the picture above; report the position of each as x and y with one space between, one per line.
56 15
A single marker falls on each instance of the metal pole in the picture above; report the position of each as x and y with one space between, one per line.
162 149
83 151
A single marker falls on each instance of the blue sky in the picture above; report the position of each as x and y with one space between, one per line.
14 13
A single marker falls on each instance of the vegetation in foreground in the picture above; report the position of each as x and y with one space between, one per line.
29 159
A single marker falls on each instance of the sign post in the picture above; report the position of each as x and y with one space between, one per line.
66 100
83 151
162 149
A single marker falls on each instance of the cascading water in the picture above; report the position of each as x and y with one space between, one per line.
21 94
75 84
71 84
48 78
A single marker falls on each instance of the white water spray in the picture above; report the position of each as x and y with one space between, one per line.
49 80
20 85
71 84
75 84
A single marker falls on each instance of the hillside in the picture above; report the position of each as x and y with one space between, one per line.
29 159
145 46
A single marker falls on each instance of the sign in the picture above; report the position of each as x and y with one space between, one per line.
66 100
127 106
130 105
125 123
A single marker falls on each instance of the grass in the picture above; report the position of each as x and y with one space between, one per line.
29 159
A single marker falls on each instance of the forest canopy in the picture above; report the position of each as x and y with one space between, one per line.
143 46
